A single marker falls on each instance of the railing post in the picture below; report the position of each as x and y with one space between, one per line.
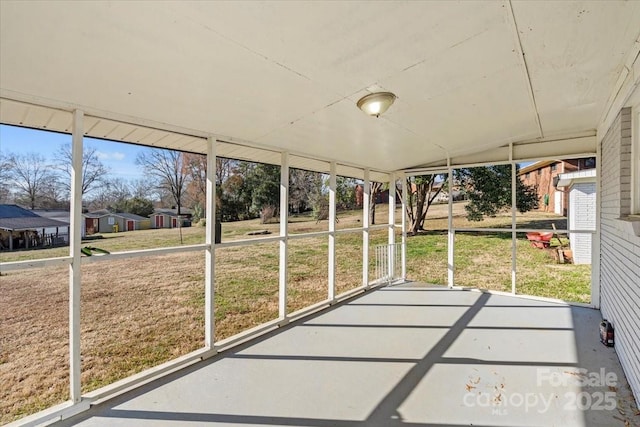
75 242
332 232
379 261
210 252
451 237
366 200
392 218
450 257
404 227
514 241
284 219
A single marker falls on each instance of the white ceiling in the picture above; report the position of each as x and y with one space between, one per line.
287 75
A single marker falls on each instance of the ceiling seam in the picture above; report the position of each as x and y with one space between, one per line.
627 68
314 112
525 65
435 55
416 134
245 47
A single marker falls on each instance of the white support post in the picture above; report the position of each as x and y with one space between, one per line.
210 253
404 226
392 223
595 239
366 205
284 220
451 231
332 232
75 242
514 201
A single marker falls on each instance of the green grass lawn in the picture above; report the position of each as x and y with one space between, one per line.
481 260
484 261
139 312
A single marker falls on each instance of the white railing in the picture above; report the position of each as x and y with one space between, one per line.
388 265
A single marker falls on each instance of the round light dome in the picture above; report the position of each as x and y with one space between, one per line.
377 103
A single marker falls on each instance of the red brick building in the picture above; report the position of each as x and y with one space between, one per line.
543 176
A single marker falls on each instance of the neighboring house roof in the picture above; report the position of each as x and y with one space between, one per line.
104 212
566 179
537 165
15 218
130 216
172 212
97 214
15 211
57 214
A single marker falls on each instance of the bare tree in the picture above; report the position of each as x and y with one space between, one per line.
142 188
168 169
305 188
223 169
196 169
54 195
93 171
422 192
32 176
375 188
5 177
112 194
119 193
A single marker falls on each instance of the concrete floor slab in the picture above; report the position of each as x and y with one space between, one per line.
404 355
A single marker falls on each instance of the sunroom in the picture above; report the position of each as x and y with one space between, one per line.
474 84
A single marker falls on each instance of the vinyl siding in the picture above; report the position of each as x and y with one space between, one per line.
582 208
620 249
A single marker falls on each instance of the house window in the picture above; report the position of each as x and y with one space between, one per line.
111 220
539 172
590 163
554 166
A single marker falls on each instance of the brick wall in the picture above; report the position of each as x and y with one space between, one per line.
620 249
542 179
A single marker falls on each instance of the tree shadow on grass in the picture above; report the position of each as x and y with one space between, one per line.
536 224
544 224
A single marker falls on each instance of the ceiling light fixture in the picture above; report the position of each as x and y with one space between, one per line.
377 103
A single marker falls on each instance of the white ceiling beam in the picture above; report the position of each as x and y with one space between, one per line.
566 148
525 67
627 83
559 149
33 114
117 117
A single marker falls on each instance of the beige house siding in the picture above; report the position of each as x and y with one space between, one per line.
106 227
620 249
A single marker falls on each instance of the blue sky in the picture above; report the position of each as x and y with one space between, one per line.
119 158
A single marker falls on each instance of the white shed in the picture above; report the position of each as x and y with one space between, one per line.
581 214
